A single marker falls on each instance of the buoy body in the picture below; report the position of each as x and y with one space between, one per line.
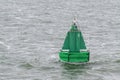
74 48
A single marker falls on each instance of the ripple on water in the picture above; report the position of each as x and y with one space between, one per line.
26 66
117 61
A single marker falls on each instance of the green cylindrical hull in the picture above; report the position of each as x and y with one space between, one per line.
76 57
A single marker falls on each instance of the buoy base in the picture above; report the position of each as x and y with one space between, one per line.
76 57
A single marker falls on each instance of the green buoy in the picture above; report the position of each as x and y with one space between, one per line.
74 48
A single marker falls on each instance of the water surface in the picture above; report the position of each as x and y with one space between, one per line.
32 33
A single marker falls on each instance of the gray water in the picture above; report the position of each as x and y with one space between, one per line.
32 33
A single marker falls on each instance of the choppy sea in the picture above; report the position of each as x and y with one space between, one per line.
32 33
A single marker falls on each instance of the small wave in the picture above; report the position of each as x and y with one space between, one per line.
47 67
117 61
26 66
53 58
7 46
48 22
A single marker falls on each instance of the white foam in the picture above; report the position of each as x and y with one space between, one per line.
7 46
